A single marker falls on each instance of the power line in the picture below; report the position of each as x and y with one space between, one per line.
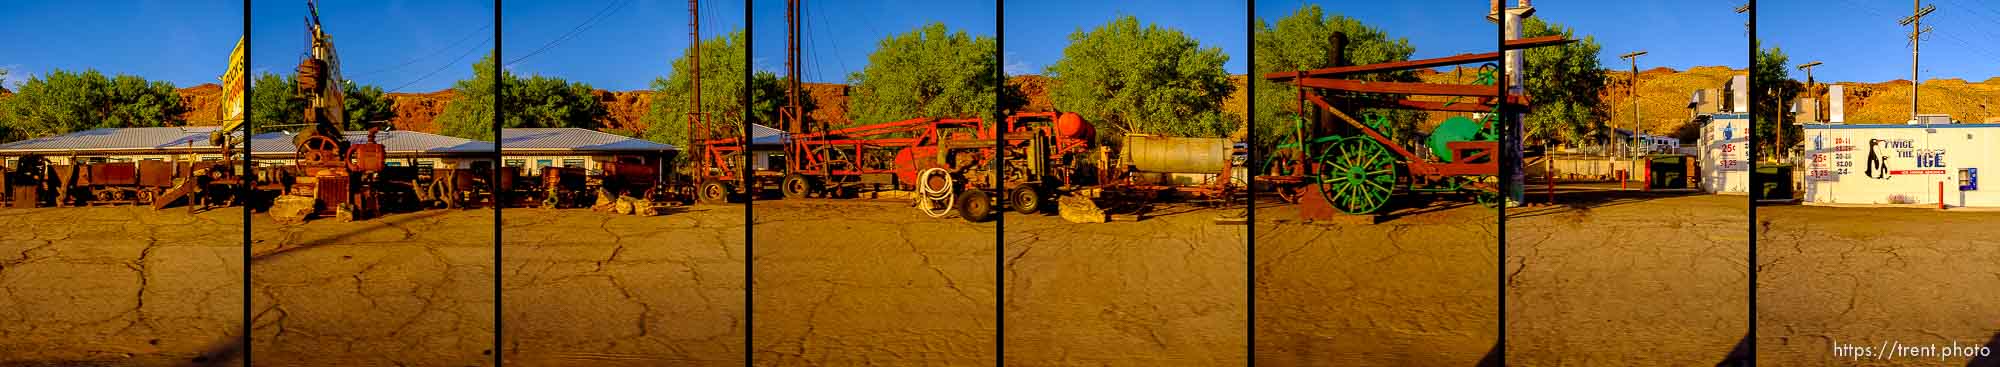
441 50
580 27
454 61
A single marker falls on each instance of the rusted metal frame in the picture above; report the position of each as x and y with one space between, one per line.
1423 89
1391 144
1460 59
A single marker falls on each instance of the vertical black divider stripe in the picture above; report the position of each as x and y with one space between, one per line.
999 153
1506 179
750 33
1249 189
1750 338
498 115
243 189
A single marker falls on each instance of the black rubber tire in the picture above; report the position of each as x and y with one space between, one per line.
714 193
797 186
974 206
1027 200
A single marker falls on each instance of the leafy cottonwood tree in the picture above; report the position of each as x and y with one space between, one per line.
1134 78
366 104
928 72
536 101
469 114
62 101
723 60
1771 87
1566 84
1300 42
274 100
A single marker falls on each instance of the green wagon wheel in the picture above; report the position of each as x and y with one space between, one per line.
1357 175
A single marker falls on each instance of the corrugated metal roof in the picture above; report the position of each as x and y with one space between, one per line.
765 135
573 139
392 141
135 138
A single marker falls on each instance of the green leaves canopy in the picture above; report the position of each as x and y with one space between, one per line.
1565 83
1300 42
1143 79
929 72
723 60
1771 87
536 101
63 101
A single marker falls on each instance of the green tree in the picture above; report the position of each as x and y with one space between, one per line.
1134 78
1771 87
366 104
470 113
62 102
1300 42
1566 83
274 101
928 72
540 101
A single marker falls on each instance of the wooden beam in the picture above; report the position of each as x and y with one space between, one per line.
1422 89
1420 64
1482 104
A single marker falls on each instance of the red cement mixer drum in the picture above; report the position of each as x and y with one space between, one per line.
913 160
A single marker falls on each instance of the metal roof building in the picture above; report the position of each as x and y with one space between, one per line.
137 140
396 143
569 139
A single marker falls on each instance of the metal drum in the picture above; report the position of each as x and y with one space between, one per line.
1162 154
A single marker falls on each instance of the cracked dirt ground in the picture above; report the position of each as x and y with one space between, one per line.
409 289
1627 279
865 282
1418 289
585 288
125 286
1168 290
1872 275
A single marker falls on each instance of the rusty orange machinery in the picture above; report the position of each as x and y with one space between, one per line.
1050 153
37 182
336 173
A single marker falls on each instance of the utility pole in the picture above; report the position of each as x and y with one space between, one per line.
1785 150
1634 92
697 132
1915 21
792 109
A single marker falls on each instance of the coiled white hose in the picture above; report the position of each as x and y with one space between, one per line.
936 194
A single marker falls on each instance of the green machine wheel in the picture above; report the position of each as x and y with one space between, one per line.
1357 175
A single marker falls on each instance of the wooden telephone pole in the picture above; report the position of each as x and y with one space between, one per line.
1915 21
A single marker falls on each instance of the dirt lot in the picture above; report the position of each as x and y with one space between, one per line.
1418 289
1628 278
1869 276
584 288
863 282
120 286
412 289
1168 290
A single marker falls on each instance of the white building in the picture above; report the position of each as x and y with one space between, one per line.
1899 164
535 148
1724 153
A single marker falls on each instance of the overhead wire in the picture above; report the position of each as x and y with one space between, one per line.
578 29
454 61
440 50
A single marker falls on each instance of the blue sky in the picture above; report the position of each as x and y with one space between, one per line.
1677 34
408 44
635 42
1859 40
183 42
1038 30
839 35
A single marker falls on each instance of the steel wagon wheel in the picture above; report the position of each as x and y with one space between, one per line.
1357 175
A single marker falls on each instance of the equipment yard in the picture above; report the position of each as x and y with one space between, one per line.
1866 276
121 285
870 282
1167 290
1627 278
1416 289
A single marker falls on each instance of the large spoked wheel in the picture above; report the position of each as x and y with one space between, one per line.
1357 175
320 149
797 186
976 207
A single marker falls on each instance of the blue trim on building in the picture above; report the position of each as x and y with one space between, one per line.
1893 126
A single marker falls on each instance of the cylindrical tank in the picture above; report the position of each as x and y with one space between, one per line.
913 160
1456 128
1177 155
1070 125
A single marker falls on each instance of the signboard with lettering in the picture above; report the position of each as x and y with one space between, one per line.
1898 164
1724 150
